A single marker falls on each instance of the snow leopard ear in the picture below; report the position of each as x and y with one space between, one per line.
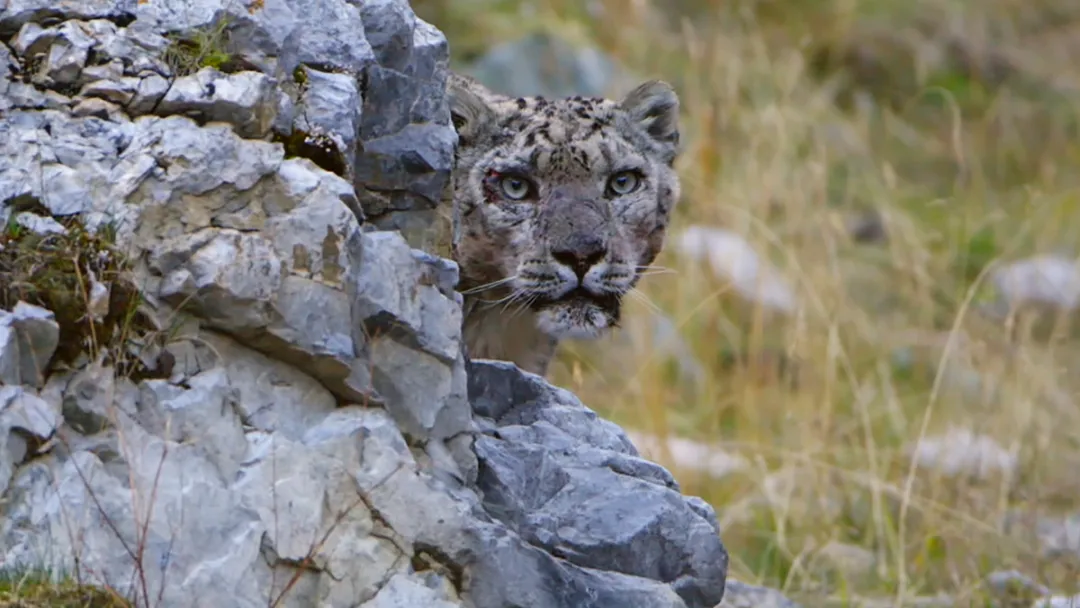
655 107
469 109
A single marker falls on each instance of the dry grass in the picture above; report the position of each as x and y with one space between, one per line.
953 120
38 590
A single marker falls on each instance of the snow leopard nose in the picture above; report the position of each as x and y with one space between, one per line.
580 253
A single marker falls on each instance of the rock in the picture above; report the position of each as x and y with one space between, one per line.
412 164
1048 280
66 53
120 91
690 455
400 116
63 162
404 591
867 226
734 260
1012 588
38 224
961 452
1058 537
851 561
1045 287
271 395
392 26
148 93
327 108
23 415
542 64
93 397
97 108
28 338
432 401
20 12
203 413
741 595
246 100
404 164
1058 601
550 454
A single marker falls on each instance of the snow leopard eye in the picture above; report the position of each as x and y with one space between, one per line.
623 183
515 188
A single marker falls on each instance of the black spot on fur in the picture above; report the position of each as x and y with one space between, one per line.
521 103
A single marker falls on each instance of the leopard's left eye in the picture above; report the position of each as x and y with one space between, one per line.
623 183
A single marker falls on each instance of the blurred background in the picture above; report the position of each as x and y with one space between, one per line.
860 349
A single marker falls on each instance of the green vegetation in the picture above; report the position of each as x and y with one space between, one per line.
204 48
37 590
59 271
955 121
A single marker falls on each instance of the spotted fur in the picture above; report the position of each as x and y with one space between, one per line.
559 204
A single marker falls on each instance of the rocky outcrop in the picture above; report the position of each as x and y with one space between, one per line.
285 417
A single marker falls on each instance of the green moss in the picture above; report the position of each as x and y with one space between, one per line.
300 76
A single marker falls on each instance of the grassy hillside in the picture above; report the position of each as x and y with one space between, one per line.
955 123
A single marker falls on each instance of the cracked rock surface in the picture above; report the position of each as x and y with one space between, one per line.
296 423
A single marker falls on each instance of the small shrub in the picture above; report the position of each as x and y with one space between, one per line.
203 48
58 272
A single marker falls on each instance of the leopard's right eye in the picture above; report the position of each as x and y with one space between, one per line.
515 188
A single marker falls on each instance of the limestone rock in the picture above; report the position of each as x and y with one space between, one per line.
28 338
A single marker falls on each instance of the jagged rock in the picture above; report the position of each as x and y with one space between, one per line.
120 90
400 115
288 402
23 415
327 108
391 25
60 52
550 455
39 225
28 338
246 100
64 163
20 12
90 397
97 108
148 93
